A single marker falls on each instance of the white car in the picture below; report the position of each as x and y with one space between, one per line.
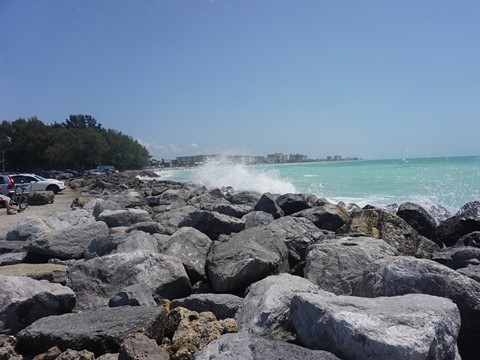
38 183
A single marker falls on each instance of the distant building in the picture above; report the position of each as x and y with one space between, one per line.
297 158
337 158
277 158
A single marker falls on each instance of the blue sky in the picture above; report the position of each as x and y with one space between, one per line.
373 78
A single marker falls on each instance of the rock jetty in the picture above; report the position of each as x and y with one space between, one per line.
156 269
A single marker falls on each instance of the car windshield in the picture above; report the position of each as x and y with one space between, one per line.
41 178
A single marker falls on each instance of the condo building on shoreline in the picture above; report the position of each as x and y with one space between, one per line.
275 158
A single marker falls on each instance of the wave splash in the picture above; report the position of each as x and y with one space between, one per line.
242 177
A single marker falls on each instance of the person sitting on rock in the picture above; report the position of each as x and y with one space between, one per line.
6 201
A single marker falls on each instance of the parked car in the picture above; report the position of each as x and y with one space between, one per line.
6 184
38 183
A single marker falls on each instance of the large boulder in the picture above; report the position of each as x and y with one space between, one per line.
268 204
256 218
292 203
465 221
243 258
300 233
169 221
121 243
24 300
404 275
418 218
266 309
212 223
250 347
327 216
381 224
138 346
223 306
28 228
457 257
219 204
96 280
69 243
98 331
244 198
337 265
190 246
471 239
126 217
41 198
412 326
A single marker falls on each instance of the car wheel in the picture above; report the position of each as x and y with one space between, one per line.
53 188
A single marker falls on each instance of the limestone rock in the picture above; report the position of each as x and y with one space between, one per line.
98 331
266 309
250 347
412 326
96 280
393 229
246 257
24 300
190 246
69 243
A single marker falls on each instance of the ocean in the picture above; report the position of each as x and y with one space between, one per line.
448 182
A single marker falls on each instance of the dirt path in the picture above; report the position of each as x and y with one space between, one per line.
62 202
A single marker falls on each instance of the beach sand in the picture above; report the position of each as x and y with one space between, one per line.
62 202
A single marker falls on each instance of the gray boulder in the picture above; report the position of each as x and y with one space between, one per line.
28 228
190 246
244 198
412 326
404 275
41 198
212 223
121 243
250 347
337 265
170 221
327 216
472 271
138 294
67 219
219 204
471 239
465 221
69 243
265 311
381 224
256 218
457 257
223 306
292 203
268 204
95 281
418 218
243 258
98 331
12 258
24 300
140 347
300 233
100 205
126 217
151 227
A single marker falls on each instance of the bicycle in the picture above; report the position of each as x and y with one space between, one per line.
20 198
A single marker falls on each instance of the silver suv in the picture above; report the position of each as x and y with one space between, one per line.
6 184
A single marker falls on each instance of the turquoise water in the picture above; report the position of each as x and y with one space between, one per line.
449 182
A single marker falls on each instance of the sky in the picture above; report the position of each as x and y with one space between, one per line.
374 79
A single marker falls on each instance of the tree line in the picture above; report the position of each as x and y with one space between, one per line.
80 143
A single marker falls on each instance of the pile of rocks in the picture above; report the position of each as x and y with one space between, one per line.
155 269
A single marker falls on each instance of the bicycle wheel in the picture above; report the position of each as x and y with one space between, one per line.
22 203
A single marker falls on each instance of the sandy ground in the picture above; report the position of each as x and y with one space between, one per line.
62 202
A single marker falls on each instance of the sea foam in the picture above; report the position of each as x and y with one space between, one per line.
242 177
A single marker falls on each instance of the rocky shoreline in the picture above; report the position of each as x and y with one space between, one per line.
151 269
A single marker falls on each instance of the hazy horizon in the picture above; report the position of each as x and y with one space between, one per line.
369 79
